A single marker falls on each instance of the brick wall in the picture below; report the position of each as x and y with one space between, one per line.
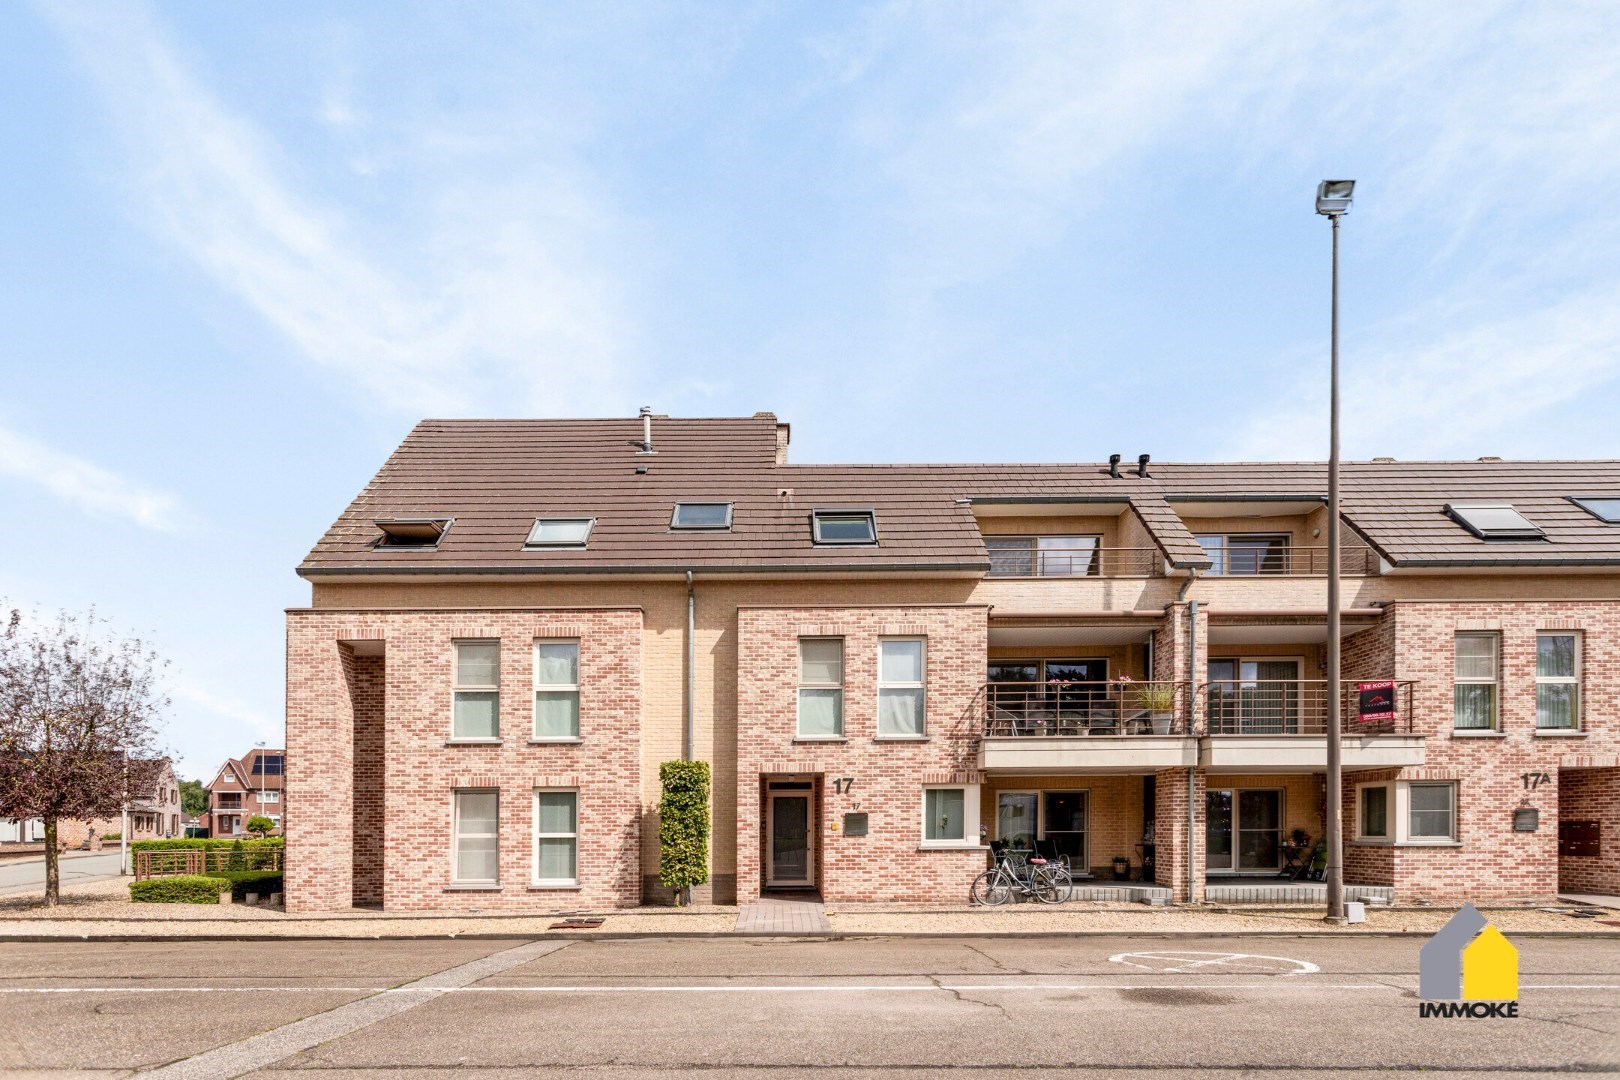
365 679
888 776
1591 795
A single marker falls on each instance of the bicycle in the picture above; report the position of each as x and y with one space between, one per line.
1032 876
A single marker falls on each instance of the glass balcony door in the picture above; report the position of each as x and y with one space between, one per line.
1242 830
1254 697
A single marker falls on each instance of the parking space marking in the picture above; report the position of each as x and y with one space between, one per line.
1184 961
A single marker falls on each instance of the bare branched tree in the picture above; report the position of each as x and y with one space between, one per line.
79 707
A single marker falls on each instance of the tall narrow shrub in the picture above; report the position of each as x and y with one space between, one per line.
683 826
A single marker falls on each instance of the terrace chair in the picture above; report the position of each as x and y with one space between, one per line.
1104 720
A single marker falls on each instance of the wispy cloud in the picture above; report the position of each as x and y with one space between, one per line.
87 485
260 725
497 306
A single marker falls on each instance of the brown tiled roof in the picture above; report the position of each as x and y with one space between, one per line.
494 477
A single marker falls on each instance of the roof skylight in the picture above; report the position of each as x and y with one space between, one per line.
560 532
411 532
1494 521
701 515
1603 507
843 527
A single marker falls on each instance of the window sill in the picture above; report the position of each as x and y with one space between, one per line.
819 738
489 887
900 738
559 740
560 887
472 742
953 845
1429 843
1560 733
1457 733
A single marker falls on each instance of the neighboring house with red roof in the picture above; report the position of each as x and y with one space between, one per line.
243 787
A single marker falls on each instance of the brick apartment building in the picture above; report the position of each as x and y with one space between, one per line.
245 786
516 622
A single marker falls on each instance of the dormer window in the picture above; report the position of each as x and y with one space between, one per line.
1494 521
560 532
417 533
1605 508
843 527
701 515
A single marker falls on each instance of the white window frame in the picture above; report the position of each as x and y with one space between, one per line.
456 838
552 688
1561 680
921 685
533 542
802 686
268 797
457 687
1495 680
816 517
1398 815
970 817
536 836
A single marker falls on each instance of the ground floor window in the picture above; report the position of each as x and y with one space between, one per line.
1242 829
475 838
556 838
950 816
1407 812
1050 822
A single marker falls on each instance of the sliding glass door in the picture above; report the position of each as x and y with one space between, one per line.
1242 829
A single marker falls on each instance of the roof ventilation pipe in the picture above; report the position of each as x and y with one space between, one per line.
1113 466
646 430
1141 466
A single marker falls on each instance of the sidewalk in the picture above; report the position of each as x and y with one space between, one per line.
101 910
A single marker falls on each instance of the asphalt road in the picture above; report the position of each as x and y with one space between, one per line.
768 1007
28 875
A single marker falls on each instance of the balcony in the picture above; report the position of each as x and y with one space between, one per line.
1243 556
1248 725
1115 726
1023 557
1277 725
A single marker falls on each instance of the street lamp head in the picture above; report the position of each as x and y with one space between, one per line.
1333 196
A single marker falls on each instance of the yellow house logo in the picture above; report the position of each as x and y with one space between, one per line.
1468 969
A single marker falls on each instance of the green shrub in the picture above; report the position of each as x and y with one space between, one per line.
259 825
263 882
238 859
204 843
183 889
112 836
683 824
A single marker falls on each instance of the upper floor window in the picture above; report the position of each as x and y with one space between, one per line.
268 765
821 687
556 689
560 532
269 797
701 515
1494 521
477 694
900 686
1558 681
1043 556
843 526
1475 682
1246 554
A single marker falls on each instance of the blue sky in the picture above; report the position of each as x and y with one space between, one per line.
245 248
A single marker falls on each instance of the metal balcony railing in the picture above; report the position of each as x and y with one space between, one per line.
1085 708
1299 707
1077 562
1283 560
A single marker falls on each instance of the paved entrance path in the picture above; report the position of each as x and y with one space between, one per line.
770 915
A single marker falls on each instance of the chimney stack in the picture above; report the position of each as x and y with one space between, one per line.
1141 466
1113 466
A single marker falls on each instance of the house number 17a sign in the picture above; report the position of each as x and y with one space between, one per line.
1533 780
842 784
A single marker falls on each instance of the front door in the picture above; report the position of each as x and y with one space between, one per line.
792 842
1242 830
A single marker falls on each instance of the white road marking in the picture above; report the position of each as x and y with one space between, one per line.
750 989
1179 961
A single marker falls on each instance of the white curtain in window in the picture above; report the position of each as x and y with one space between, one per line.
946 811
821 712
478 663
477 836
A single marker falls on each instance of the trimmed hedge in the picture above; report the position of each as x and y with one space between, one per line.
263 882
222 843
182 889
683 824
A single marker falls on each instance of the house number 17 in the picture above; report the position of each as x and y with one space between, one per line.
842 784
1533 780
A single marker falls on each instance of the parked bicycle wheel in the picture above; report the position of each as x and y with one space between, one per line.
1051 884
991 889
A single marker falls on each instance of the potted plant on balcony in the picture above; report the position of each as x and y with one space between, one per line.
1122 868
1159 701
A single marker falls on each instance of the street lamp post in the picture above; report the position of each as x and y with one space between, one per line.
1333 200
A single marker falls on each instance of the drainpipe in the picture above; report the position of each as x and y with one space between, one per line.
689 745
1192 774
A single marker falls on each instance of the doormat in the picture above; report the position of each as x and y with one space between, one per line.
576 924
